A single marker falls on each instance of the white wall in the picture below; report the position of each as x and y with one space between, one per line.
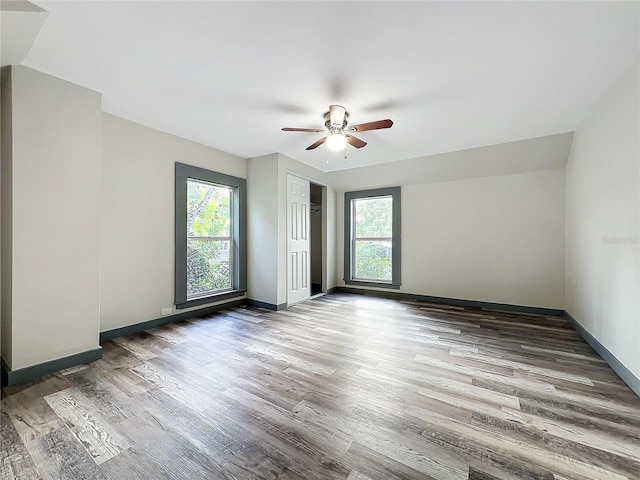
267 192
262 228
330 220
603 285
55 183
494 239
137 229
542 153
137 236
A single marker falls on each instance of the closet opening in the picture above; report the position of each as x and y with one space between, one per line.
316 236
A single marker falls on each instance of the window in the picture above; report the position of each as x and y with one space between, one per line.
209 237
372 237
210 255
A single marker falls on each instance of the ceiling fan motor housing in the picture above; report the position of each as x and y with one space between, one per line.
332 127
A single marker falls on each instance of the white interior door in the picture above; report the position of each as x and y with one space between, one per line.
299 258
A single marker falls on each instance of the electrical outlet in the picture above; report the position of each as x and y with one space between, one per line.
167 311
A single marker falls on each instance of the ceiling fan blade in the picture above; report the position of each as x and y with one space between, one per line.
363 127
356 142
312 130
317 144
336 114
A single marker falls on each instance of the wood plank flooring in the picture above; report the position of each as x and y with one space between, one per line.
339 387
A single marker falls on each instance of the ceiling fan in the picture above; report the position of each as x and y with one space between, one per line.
335 120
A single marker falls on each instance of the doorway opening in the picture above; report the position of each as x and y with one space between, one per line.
316 235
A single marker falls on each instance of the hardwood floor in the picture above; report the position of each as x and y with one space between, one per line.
339 387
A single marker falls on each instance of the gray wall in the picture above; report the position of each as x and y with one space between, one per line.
51 220
6 160
603 210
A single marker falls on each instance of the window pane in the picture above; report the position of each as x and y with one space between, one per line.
372 260
208 210
373 217
208 266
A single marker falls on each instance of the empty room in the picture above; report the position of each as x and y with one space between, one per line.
320 240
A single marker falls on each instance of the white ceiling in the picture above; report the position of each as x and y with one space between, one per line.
20 23
451 75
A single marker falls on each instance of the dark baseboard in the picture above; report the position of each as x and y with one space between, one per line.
11 377
453 301
265 305
158 322
616 365
331 290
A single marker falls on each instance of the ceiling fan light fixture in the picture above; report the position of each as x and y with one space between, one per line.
339 134
336 141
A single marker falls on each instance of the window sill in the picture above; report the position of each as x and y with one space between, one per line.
371 284
218 297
